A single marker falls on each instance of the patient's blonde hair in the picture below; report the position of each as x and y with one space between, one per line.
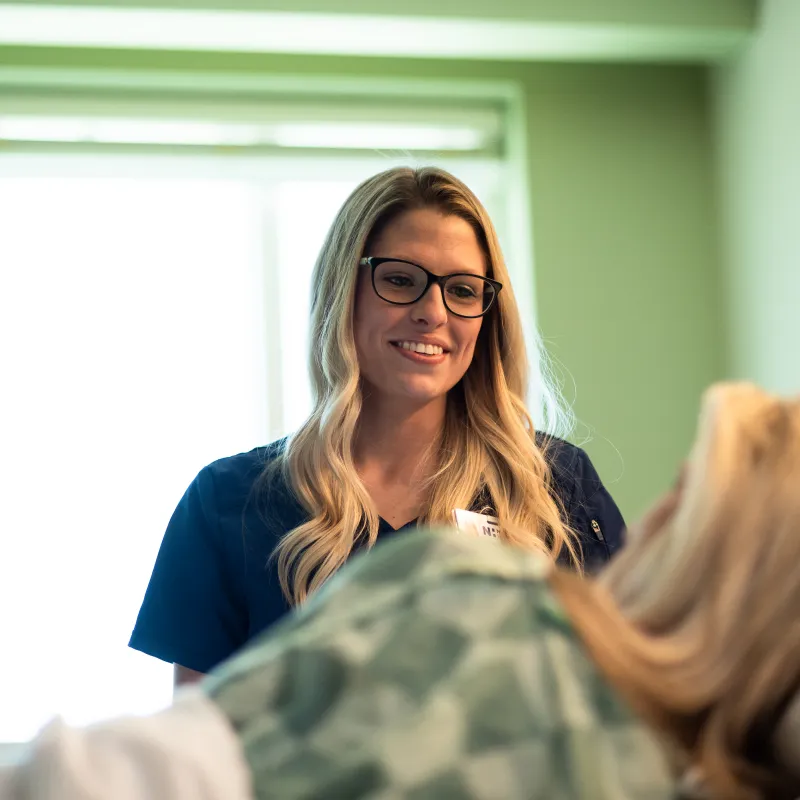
698 621
488 441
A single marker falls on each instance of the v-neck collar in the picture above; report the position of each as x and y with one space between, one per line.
385 527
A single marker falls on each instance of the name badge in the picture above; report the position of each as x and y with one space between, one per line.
476 524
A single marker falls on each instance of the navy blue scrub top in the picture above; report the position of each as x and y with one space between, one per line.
214 586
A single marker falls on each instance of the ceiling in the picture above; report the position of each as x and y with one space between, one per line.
689 31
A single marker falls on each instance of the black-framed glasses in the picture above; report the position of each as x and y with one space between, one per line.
403 283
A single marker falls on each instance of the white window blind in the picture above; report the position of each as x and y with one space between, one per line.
254 122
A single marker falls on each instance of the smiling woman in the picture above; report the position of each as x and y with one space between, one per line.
419 372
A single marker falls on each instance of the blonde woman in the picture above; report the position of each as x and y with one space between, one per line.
419 372
449 667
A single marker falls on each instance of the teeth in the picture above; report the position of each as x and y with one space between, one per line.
418 347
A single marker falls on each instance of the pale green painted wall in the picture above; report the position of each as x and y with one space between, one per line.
626 259
624 236
758 117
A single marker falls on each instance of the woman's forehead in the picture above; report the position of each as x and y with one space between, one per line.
439 242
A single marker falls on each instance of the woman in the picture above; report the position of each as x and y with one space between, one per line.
419 374
448 667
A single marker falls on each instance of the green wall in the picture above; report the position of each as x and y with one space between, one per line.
758 128
627 268
624 233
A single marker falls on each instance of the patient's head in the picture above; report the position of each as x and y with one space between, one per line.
727 555
711 584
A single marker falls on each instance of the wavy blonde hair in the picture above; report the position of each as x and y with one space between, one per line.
698 618
488 442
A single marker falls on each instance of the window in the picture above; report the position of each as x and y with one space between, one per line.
153 312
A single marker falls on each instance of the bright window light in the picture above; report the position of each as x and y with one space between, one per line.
135 310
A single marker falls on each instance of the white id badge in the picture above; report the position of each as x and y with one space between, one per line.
476 524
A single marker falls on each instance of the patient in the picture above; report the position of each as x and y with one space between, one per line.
440 666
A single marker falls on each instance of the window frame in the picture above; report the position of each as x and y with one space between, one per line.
508 95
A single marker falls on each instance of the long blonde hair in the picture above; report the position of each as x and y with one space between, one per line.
488 442
698 618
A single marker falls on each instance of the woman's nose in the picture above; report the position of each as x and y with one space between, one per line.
430 308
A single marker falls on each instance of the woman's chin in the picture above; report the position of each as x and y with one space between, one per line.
417 389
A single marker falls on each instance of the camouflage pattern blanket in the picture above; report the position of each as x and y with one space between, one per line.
436 667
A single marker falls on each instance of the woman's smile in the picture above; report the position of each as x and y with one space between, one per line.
419 352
